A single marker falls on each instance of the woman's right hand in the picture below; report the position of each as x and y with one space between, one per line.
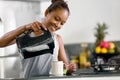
35 26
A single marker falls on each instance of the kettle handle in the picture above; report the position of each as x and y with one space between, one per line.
46 34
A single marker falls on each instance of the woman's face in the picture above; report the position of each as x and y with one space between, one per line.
55 19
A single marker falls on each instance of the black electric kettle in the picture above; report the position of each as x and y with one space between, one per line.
34 46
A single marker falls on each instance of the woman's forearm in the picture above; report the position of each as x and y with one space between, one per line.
62 55
9 37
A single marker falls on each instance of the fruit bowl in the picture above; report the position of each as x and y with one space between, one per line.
106 50
107 55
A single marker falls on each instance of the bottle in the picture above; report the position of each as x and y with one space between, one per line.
84 56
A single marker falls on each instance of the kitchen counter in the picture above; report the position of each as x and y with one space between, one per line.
96 76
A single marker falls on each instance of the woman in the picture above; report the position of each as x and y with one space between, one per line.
56 16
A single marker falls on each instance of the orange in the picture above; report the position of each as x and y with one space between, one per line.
87 65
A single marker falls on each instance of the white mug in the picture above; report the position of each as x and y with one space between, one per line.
57 68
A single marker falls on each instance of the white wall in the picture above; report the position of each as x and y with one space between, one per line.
85 14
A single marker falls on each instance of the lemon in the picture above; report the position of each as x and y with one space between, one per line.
104 50
98 49
112 45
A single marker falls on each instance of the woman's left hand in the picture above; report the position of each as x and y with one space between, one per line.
72 67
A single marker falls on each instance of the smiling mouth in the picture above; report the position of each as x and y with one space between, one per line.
53 26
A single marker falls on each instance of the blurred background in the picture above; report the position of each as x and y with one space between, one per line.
84 16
